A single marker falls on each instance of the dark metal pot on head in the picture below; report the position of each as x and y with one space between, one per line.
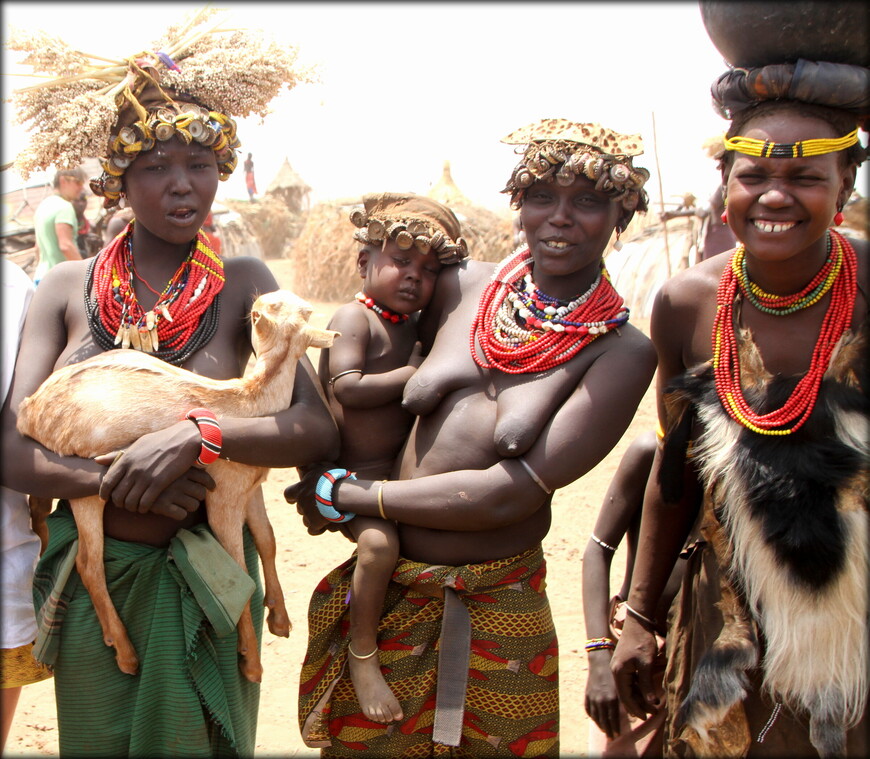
751 34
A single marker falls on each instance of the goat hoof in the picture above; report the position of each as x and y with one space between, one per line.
252 670
279 622
129 665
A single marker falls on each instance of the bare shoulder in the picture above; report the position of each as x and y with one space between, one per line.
349 316
696 284
630 351
63 284
247 278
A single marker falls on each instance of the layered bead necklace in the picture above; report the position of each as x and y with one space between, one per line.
384 313
839 276
183 319
520 329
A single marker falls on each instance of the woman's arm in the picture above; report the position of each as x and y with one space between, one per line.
27 466
299 435
577 437
663 531
619 511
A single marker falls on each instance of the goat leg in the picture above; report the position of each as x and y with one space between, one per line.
264 539
226 506
88 513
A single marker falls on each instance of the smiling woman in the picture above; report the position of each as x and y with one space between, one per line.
763 366
532 374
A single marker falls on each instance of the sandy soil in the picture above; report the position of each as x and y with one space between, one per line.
303 560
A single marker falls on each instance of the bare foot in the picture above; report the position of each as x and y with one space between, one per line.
375 697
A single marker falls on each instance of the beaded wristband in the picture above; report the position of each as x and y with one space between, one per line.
323 495
596 644
210 431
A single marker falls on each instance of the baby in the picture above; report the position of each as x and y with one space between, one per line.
405 240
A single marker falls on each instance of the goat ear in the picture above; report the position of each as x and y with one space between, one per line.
321 338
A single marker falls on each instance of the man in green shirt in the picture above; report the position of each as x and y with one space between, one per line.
55 222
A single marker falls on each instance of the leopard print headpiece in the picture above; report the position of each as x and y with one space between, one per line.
561 150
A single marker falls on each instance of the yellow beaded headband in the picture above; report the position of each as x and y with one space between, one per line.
802 148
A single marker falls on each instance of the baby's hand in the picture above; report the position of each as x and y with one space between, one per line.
416 357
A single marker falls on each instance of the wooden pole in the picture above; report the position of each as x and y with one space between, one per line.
661 195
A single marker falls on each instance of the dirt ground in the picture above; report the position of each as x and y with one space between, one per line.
303 560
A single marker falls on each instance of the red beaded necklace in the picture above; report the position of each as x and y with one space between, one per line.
380 310
520 329
726 361
182 320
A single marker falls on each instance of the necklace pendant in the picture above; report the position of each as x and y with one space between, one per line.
119 336
155 342
149 320
133 332
165 312
145 340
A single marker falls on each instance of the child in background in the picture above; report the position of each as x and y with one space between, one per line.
619 735
405 241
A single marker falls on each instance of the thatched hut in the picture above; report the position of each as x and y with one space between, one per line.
278 217
489 235
291 188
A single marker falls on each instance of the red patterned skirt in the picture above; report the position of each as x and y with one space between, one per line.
485 628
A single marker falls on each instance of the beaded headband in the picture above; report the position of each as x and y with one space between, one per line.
561 150
767 149
410 220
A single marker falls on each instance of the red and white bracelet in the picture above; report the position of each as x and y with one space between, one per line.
210 430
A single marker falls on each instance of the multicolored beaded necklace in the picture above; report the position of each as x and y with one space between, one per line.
839 275
782 305
380 310
520 329
183 319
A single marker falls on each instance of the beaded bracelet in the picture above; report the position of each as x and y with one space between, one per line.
323 495
596 644
210 431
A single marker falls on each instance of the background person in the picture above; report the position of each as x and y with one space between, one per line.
614 733
20 545
56 223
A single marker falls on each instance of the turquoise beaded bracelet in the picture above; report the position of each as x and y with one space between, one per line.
323 495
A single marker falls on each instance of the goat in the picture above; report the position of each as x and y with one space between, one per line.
79 410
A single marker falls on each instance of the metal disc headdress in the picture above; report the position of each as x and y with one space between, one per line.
410 220
560 150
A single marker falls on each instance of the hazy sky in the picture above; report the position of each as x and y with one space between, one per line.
406 86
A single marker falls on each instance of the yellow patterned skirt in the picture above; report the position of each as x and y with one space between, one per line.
470 652
20 668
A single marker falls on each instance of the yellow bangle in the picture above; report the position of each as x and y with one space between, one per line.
381 499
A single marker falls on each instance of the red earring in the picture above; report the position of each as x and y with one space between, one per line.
724 217
838 218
